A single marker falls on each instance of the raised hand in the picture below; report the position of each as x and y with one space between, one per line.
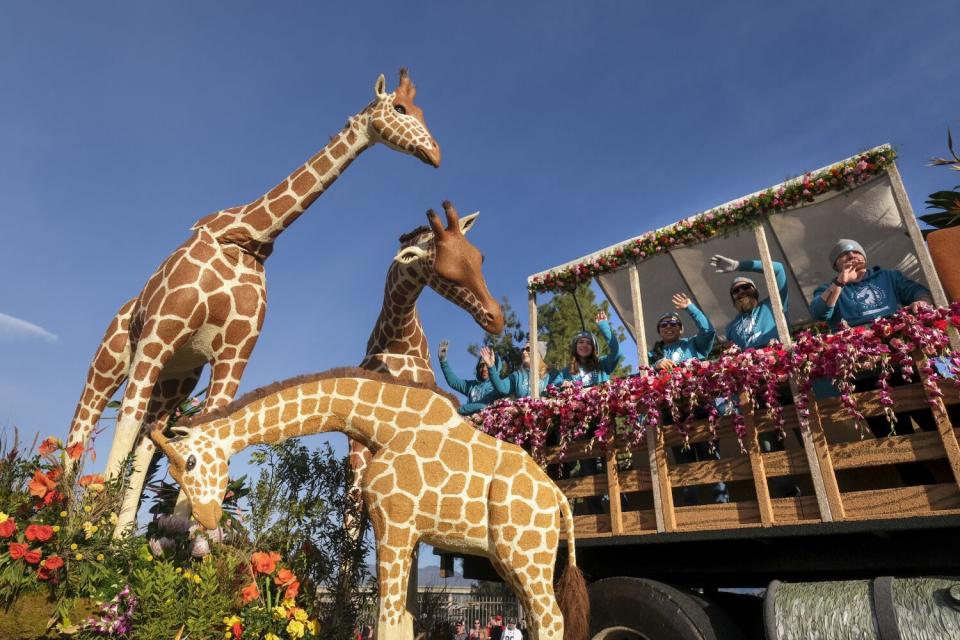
681 301
664 364
487 355
442 349
601 315
723 264
847 274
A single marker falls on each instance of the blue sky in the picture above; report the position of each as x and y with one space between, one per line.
570 126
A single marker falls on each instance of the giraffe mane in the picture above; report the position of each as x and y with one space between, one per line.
276 387
411 237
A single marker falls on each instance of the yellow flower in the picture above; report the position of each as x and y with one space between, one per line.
197 579
179 569
79 556
279 613
271 636
73 547
149 558
295 629
300 615
87 508
288 603
114 519
228 634
100 557
314 627
232 620
3 517
56 528
63 514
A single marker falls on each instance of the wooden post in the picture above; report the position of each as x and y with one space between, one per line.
947 435
659 474
919 246
826 489
757 468
534 351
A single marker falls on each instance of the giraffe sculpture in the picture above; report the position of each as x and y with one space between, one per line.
444 260
433 478
206 302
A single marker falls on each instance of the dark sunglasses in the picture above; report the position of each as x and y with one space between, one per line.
669 323
741 288
525 350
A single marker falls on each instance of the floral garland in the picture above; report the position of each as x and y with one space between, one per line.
625 407
723 220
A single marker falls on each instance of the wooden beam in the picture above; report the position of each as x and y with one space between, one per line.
662 489
947 435
534 352
756 467
770 278
613 491
818 458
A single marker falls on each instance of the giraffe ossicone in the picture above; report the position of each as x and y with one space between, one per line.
206 302
432 478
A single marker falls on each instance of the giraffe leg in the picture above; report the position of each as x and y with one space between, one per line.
359 458
168 394
394 559
224 380
107 372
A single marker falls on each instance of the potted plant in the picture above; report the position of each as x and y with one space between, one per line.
943 240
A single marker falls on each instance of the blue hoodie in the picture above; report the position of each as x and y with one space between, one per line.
697 346
607 363
880 293
757 328
517 384
480 393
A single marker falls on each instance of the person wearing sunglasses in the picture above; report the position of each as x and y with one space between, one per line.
586 366
479 391
517 384
753 327
672 349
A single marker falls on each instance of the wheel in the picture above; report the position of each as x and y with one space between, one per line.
640 609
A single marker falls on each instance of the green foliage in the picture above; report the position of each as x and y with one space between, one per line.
946 204
507 344
298 506
16 468
559 321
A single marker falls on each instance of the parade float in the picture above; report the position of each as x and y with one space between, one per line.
843 555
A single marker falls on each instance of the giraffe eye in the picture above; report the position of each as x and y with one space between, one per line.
399 108
191 462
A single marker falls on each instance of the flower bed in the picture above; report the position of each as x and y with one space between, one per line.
625 407
747 212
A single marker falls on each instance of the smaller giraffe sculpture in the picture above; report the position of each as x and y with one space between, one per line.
433 478
207 301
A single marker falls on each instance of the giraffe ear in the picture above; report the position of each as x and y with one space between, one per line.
409 255
380 87
467 222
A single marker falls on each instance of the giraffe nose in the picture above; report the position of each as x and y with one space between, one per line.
431 156
494 323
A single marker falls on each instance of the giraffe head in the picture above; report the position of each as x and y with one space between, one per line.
198 462
444 259
399 124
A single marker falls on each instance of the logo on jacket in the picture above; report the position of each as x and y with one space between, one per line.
870 296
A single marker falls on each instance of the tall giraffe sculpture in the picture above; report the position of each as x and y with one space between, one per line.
433 478
206 302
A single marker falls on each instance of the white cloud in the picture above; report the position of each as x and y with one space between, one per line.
15 329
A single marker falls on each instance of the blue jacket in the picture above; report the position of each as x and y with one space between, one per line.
880 293
697 346
479 393
607 363
517 383
757 328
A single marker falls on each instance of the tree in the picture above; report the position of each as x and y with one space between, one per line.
559 322
507 344
946 204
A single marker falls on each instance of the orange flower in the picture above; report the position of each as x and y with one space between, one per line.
49 445
53 496
284 577
264 562
93 478
292 590
32 557
8 527
17 550
41 484
41 532
75 450
250 593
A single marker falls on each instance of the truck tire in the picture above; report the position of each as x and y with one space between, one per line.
640 609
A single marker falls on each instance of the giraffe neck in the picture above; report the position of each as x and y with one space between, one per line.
398 330
260 223
345 405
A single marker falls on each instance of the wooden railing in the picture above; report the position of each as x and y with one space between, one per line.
858 472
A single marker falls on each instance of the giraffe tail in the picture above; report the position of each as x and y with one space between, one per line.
107 372
572 596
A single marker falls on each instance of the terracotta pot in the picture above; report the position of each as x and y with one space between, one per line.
944 246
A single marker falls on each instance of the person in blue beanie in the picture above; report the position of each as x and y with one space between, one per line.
860 294
753 327
586 366
479 392
669 351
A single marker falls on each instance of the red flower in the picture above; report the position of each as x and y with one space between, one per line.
41 532
53 562
75 450
42 483
940 324
48 446
250 593
17 550
8 527
237 630
292 590
32 557
264 562
53 496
